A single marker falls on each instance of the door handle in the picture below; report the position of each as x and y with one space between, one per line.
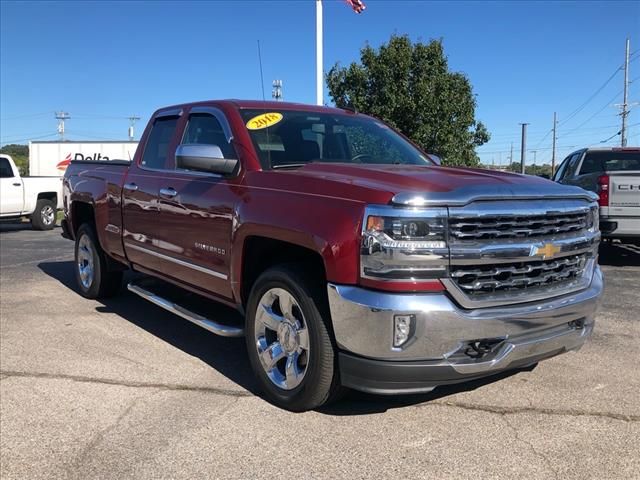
17 184
132 187
168 192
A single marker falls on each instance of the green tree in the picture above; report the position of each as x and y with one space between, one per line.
20 155
409 86
539 170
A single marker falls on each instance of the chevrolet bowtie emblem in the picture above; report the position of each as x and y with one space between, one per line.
548 250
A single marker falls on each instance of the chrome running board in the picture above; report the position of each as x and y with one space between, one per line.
213 327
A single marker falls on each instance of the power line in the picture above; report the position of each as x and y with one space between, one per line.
586 102
594 115
29 138
612 136
589 131
21 135
29 115
543 138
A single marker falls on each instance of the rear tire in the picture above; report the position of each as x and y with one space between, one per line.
44 216
92 274
289 342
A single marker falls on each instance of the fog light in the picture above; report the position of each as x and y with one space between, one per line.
403 327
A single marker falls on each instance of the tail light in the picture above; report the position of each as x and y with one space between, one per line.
603 190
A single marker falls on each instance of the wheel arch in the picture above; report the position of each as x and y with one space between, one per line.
260 253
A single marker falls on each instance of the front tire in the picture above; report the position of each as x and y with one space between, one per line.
289 343
93 277
44 216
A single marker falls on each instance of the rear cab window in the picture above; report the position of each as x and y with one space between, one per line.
611 161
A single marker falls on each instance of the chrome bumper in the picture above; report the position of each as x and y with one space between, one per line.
363 325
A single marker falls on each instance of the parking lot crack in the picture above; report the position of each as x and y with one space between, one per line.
100 436
132 384
531 446
541 410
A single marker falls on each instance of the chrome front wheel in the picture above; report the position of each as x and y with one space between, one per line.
282 338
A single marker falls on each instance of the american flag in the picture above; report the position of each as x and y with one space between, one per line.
357 5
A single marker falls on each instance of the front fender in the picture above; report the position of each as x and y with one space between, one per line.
327 226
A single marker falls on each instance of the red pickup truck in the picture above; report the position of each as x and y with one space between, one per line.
354 258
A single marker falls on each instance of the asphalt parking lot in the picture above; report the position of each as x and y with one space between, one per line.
122 389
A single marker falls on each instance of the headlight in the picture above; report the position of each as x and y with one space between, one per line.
404 245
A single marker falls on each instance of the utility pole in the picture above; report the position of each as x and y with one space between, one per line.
625 103
534 157
132 122
276 93
553 145
523 147
511 155
319 72
61 117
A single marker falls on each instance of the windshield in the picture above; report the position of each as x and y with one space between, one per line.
294 138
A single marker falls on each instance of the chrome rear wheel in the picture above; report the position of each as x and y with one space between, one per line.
48 215
85 261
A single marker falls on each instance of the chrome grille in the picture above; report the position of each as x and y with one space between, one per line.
478 280
505 227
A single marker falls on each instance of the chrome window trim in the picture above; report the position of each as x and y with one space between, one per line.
181 172
177 261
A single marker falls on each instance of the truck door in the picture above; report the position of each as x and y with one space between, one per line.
140 213
11 189
196 210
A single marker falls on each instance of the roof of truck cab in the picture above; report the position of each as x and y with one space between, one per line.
264 105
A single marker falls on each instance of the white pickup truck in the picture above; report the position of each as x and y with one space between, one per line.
614 174
35 197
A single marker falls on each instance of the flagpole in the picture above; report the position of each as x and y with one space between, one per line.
319 72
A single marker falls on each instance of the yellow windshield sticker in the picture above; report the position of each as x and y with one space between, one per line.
264 120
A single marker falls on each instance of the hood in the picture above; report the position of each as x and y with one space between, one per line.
444 185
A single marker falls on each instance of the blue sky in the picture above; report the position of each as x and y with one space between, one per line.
104 61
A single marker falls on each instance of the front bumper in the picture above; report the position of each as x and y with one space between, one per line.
520 335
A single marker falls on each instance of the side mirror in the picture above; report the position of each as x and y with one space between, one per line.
204 158
435 159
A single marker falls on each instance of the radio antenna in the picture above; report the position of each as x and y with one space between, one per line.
261 75
264 102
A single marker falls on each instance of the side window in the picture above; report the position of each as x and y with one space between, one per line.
155 152
561 169
570 169
591 164
205 129
5 168
572 166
